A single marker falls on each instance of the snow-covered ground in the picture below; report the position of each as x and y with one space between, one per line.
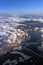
10 35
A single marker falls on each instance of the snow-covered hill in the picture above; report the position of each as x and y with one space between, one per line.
11 34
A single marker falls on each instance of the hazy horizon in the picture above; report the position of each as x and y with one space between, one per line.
21 6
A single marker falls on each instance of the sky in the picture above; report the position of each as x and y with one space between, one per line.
33 6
